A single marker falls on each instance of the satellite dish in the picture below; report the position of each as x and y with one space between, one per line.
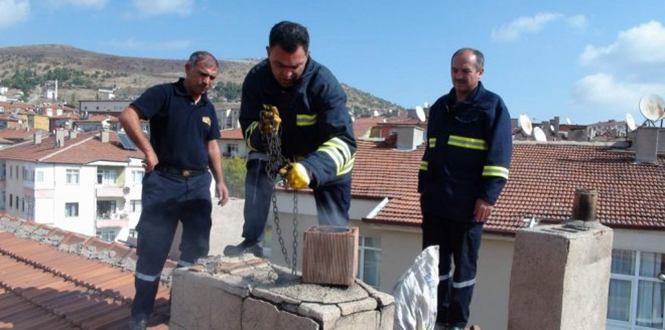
630 122
525 124
420 113
539 135
426 105
552 129
652 107
568 121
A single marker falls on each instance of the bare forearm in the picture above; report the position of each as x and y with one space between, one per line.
215 161
131 122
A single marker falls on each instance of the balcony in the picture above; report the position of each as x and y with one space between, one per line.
110 191
112 220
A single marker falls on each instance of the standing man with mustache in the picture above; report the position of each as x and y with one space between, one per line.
179 158
299 98
464 169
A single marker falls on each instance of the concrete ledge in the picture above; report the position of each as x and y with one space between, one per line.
238 293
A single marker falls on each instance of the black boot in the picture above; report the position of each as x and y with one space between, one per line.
144 302
247 246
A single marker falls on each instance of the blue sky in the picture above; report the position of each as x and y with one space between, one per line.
585 60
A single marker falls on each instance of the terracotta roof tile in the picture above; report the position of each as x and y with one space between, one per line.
231 134
42 287
542 183
85 148
362 126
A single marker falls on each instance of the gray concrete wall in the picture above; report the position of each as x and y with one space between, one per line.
560 277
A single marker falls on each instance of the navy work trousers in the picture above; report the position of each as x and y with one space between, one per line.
332 202
166 199
459 241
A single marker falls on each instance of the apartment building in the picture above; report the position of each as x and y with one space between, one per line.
85 183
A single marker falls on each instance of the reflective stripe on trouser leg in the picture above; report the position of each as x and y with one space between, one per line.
464 278
258 195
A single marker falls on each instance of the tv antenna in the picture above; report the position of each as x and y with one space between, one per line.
652 108
539 135
525 125
420 113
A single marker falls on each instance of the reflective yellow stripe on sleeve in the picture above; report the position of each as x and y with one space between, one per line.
340 154
306 120
496 171
248 134
423 165
432 142
465 142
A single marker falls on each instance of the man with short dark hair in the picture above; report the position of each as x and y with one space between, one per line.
300 99
464 169
179 156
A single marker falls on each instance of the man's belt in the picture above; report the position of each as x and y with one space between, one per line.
178 171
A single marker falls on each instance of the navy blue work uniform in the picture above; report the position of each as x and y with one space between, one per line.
178 188
469 146
316 131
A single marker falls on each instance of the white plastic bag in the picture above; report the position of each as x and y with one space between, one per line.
416 291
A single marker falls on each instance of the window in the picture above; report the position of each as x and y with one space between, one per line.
229 121
232 149
106 209
72 176
22 204
135 206
636 297
71 210
106 177
40 176
11 199
137 176
108 235
16 203
132 233
369 261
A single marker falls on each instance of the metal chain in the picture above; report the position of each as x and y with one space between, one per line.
275 161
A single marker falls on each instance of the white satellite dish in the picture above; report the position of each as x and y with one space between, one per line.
539 135
525 124
552 128
630 122
568 121
652 107
426 105
420 113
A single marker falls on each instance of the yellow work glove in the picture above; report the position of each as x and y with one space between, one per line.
270 119
296 176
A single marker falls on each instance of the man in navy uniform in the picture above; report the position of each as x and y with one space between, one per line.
179 158
464 169
303 101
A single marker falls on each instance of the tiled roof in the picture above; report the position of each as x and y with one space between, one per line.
362 126
85 148
231 134
52 279
17 134
542 183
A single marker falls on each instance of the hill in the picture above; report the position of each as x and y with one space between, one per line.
81 73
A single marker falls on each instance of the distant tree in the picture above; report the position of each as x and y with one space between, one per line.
234 175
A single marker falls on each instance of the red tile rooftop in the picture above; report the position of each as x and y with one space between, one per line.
542 183
231 134
43 287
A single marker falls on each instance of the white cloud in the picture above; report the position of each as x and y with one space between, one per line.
133 43
150 8
643 45
606 93
13 12
577 21
523 25
625 70
98 4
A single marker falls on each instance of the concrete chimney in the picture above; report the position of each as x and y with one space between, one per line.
555 122
37 138
73 134
646 145
105 136
59 138
409 137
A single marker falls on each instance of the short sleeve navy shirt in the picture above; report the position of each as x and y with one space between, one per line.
179 129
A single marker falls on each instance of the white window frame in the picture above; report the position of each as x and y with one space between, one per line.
232 149
68 213
139 174
107 178
40 176
362 248
133 206
72 173
634 280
